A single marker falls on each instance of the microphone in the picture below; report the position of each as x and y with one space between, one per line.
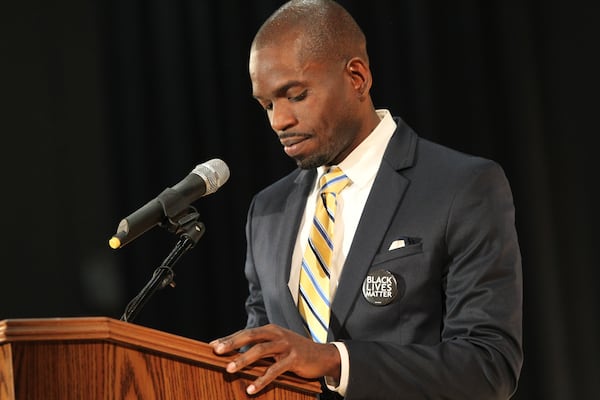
205 179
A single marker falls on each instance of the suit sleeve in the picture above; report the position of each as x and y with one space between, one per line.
255 306
479 355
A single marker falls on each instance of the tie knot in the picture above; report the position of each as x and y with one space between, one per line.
333 180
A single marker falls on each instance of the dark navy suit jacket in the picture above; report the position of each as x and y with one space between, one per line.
454 330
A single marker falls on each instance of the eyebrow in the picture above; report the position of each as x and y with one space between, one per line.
280 91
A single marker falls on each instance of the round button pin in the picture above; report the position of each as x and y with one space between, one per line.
380 287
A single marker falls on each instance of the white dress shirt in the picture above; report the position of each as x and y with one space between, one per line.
360 166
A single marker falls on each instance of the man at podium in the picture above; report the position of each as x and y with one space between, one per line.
386 265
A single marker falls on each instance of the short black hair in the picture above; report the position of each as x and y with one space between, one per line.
327 30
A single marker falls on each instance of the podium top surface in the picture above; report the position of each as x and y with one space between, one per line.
102 329
105 329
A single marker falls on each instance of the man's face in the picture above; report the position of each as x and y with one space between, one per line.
310 104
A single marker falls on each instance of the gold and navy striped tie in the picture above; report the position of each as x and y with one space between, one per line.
314 299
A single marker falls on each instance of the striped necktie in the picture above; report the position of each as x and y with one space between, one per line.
314 299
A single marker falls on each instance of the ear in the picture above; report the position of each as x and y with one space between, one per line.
360 75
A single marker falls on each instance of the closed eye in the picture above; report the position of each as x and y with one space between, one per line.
268 106
300 97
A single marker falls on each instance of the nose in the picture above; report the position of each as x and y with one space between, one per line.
281 117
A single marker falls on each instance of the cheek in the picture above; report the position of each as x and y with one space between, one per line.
327 117
341 125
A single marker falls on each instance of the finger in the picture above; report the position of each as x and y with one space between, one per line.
255 353
243 338
224 338
270 375
226 344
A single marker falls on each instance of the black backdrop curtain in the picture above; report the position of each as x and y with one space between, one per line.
106 103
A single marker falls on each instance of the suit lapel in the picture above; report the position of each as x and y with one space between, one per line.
383 201
290 223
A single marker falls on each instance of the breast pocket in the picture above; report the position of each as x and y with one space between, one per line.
388 255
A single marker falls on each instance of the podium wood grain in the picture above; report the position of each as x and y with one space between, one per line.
102 358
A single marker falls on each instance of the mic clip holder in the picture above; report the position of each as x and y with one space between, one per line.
189 229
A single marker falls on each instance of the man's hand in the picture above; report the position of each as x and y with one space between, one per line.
290 351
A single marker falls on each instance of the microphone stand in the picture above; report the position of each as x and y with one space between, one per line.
190 230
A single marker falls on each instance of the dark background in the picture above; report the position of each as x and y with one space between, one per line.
106 103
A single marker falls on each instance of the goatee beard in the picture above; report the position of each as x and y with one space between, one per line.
311 162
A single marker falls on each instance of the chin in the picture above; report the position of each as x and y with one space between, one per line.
311 162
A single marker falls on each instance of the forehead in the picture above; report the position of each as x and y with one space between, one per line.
275 69
272 66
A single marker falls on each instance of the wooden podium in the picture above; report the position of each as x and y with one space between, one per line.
102 358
